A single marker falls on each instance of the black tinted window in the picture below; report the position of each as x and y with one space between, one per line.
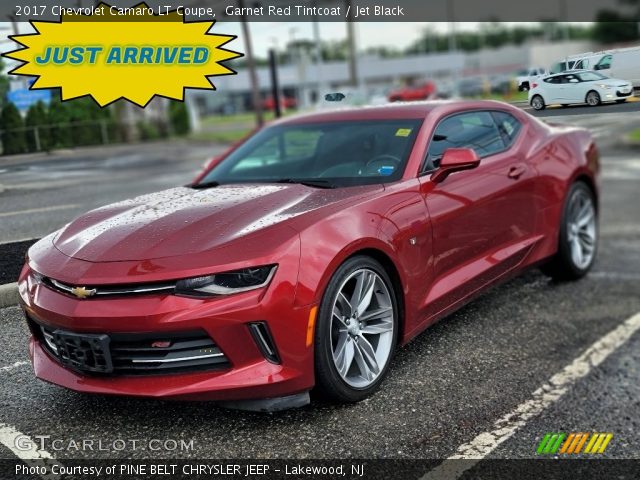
508 126
475 130
552 80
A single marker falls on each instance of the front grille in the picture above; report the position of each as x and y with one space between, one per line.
132 353
621 94
109 290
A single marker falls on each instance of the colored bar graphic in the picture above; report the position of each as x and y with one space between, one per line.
551 442
568 442
605 442
582 440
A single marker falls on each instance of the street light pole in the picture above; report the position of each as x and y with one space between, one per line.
351 41
251 66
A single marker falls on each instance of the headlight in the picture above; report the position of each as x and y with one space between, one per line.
606 87
226 283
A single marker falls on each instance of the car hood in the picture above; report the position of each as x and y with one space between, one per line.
183 221
614 82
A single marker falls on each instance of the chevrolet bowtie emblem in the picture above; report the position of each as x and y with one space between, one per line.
82 292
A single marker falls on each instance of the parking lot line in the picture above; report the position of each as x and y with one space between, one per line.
545 396
13 366
39 210
12 439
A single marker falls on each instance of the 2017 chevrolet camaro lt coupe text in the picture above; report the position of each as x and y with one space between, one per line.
306 254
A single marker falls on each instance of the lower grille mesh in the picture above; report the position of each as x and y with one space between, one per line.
132 353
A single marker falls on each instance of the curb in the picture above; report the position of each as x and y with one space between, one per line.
9 296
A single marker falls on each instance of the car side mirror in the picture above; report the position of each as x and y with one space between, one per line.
573 80
455 160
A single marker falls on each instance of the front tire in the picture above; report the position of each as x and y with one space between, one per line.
593 99
578 238
537 103
356 331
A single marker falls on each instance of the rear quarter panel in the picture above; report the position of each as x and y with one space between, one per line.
560 155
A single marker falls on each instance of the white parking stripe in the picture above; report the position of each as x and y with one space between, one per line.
13 366
12 439
40 210
542 398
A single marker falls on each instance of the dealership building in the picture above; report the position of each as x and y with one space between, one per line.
306 79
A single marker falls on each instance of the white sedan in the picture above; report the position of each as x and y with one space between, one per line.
578 86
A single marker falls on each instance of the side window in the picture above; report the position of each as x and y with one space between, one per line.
604 63
475 130
508 126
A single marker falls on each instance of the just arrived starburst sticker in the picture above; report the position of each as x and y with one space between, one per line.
109 58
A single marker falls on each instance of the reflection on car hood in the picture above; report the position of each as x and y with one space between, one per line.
183 221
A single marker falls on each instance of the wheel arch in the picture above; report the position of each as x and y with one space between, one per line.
589 182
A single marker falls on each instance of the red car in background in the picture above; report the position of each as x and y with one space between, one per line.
423 91
305 255
269 103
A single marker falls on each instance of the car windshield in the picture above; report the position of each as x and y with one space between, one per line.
325 155
590 76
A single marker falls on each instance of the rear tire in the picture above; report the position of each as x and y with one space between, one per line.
354 346
593 98
537 102
578 237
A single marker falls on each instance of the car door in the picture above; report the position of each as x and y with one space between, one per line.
482 218
552 90
572 89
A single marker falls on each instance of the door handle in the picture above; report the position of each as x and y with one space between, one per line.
517 170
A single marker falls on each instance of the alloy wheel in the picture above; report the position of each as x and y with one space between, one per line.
581 229
362 328
593 99
537 103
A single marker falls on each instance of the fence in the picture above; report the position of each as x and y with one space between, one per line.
75 134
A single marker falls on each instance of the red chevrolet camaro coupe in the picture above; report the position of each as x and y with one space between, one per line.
306 254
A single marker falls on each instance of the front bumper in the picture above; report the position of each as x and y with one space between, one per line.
248 373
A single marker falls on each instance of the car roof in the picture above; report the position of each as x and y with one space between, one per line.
570 72
392 111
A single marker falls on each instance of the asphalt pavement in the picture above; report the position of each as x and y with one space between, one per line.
445 390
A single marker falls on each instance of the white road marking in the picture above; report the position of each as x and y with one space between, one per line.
8 368
545 396
39 210
25 448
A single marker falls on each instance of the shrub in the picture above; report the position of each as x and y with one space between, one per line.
13 134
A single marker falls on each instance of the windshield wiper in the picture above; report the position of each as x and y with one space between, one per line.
203 185
309 182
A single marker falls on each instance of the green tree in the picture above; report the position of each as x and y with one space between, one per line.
59 116
4 84
179 118
12 126
611 27
37 117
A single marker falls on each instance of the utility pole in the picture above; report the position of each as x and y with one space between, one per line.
275 88
251 66
318 58
351 42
